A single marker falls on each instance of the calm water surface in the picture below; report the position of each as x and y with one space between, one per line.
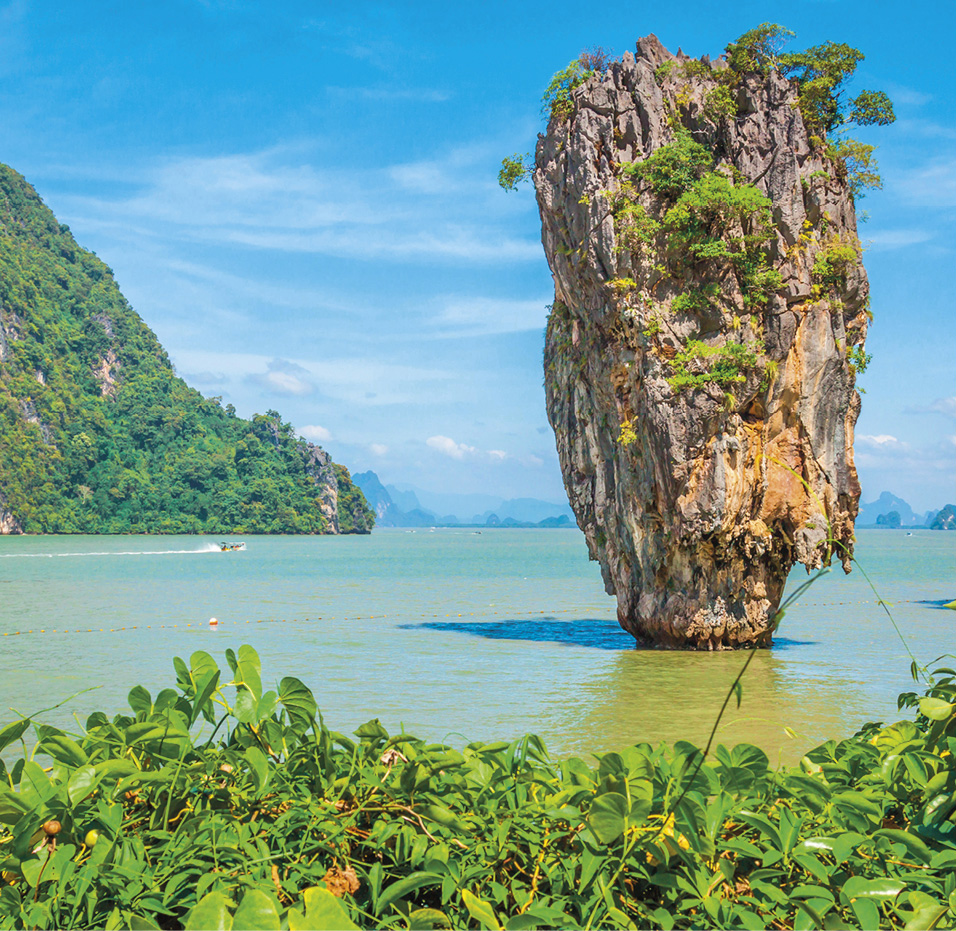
459 635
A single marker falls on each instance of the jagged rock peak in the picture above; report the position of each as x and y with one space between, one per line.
650 49
710 305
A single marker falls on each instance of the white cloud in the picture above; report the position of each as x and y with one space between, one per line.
889 455
928 129
270 292
271 200
462 451
902 95
479 316
284 383
363 381
449 447
933 185
884 240
945 406
881 441
203 378
397 241
378 449
283 377
315 433
426 177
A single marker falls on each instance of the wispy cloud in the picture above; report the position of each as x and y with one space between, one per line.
885 240
283 377
447 446
903 96
944 406
390 94
365 382
474 316
204 378
883 441
924 129
933 185
887 453
315 433
442 209
462 452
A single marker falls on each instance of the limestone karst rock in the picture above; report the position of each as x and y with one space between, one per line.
699 360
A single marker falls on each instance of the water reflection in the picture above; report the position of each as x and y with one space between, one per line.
663 696
651 695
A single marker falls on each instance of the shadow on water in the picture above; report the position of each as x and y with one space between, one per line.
599 634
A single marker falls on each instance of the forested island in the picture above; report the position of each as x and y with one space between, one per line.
99 435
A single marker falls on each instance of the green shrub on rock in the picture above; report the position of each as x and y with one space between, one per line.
673 169
698 365
556 100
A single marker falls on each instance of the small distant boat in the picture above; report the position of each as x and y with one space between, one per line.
231 547
909 533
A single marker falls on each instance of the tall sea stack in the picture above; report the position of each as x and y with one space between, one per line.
709 314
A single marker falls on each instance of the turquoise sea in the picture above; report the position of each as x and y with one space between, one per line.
459 635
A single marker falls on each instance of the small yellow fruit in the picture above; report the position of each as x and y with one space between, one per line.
51 827
91 838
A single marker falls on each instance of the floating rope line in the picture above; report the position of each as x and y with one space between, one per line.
373 617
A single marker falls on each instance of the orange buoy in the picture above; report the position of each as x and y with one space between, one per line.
213 622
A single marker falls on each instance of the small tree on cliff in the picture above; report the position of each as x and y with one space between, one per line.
514 170
555 104
757 49
821 73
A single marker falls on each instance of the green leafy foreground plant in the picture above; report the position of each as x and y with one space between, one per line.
224 804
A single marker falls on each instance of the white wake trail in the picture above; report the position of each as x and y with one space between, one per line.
201 551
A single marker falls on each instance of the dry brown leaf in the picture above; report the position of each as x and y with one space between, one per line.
391 756
341 881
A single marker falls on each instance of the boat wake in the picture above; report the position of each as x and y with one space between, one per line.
203 550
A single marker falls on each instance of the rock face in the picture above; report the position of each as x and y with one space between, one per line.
8 522
703 401
945 519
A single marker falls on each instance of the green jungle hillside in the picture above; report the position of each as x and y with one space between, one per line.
99 435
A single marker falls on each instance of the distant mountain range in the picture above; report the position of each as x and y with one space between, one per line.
891 512
408 506
405 505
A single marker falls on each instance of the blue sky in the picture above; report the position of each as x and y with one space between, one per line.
301 200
